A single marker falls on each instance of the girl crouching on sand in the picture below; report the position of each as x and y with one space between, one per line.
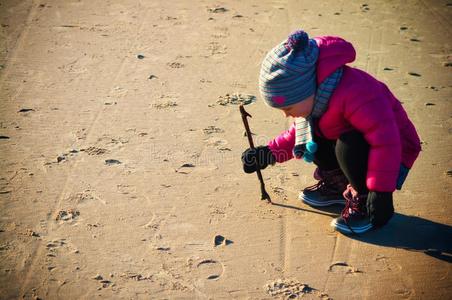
348 123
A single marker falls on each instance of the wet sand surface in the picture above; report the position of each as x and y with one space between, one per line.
121 138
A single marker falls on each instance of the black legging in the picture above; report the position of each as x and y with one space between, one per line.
349 153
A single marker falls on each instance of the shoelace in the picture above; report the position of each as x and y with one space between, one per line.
352 205
323 187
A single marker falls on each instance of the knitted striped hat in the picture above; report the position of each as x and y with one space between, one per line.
288 72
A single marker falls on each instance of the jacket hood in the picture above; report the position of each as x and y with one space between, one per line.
334 53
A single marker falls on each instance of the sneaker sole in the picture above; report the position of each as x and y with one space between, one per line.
345 229
315 203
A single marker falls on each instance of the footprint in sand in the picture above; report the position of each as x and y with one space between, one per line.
217 143
386 264
175 65
67 215
215 48
126 189
291 289
186 168
53 247
164 105
94 150
209 269
212 129
236 99
80 198
63 157
343 267
55 244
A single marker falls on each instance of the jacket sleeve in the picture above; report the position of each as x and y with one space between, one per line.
282 146
375 119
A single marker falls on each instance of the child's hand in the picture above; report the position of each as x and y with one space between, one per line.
261 155
380 207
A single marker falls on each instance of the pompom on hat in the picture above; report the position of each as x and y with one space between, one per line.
288 72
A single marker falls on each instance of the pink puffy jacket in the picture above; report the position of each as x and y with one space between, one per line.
362 103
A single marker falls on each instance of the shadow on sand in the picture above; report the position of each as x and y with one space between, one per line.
330 211
404 232
413 234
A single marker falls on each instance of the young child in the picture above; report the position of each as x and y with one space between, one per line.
346 122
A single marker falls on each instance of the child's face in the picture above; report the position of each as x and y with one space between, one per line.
300 109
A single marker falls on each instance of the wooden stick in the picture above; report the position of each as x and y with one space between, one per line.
245 114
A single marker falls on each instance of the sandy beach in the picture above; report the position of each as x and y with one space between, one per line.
120 146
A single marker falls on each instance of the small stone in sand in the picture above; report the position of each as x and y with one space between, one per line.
163 248
22 110
447 64
152 76
32 233
429 104
449 173
60 158
105 283
221 240
140 56
414 74
403 28
415 40
188 165
4 137
388 69
216 10
98 277
112 162
218 240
